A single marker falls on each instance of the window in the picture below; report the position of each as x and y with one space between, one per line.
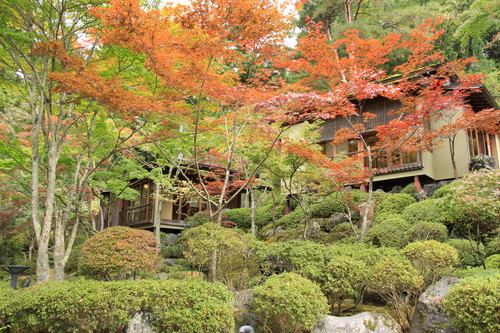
141 209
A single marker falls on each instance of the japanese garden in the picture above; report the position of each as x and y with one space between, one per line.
276 165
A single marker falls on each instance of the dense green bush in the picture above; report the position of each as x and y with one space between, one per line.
291 220
493 246
467 255
334 203
423 211
343 233
493 261
119 253
96 306
473 305
423 231
199 218
432 259
395 203
397 282
410 189
389 233
240 216
264 214
290 301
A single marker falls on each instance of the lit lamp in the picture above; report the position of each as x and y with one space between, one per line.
14 271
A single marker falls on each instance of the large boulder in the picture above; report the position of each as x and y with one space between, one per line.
365 322
429 316
140 323
243 308
482 162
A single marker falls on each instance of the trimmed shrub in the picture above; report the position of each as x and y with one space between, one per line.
427 231
264 214
433 259
397 282
410 189
473 305
291 220
290 301
119 253
466 254
395 203
95 306
423 211
493 246
199 218
334 203
342 233
240 216
493 262
389 233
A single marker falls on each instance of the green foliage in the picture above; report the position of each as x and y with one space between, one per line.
423 211
294 303
95 306
199 219
333 203
119 253
423 231
473 305
291 220
472 205
467 252
235 264
240 216
395 203
343 233
493 261
410 189
493 246
396 281
264 214
442 191
171 251
432 258
389 233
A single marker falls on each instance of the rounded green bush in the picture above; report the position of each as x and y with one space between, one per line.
466 254
432 258
264 214
119 253
473 305
389 233
395 203
189 306
240 216
423 231
493 246
291 220
493 262
294 303
334 203
343 233
423 211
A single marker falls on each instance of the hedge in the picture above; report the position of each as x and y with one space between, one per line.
82 305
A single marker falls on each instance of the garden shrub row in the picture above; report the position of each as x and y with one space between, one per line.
81 305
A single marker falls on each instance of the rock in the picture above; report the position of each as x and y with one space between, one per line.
243 308
396 189
333 221
429 315
314 230
140 323
365 322
482 162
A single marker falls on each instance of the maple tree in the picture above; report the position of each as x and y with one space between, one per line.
55 137
341 76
